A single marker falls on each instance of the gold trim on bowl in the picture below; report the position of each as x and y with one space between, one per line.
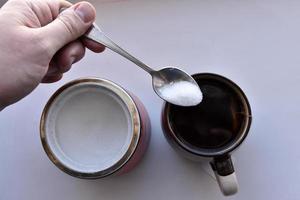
135 120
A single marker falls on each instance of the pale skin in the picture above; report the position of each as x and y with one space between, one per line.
38 45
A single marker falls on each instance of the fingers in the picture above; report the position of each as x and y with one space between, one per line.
64 58
53 73
68 26
93 46
52 78
69 55
64 4
60 37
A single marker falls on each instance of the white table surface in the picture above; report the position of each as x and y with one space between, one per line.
255 43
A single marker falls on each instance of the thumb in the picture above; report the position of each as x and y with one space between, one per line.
68 26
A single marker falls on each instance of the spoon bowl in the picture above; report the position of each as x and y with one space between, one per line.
176 87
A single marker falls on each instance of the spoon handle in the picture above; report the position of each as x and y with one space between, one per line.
97 35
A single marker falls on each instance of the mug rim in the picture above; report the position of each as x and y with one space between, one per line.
237 142
135 123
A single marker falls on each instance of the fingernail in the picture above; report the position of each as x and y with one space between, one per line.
85 11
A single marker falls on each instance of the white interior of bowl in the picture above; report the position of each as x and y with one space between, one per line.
88 128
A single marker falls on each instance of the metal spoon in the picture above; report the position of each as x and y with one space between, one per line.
171 84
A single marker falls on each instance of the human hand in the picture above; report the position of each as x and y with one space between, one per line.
38 44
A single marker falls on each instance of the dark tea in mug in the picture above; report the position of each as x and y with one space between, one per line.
216 122
212 129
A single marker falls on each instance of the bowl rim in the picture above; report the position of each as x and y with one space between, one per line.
135 123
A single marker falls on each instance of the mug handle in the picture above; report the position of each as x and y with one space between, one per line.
225 174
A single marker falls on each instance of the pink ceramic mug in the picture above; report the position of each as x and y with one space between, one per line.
92 128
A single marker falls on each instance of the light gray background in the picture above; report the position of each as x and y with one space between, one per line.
255 43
